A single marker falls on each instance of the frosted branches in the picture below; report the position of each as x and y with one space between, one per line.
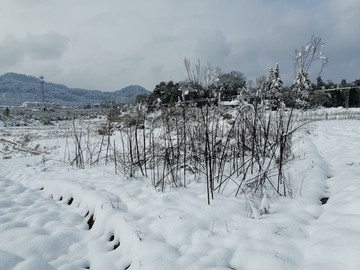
204 76
308 54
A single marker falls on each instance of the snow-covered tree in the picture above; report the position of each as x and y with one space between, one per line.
274 86
301 90
277 83
231 84
269 81
308 54
166 92
303 60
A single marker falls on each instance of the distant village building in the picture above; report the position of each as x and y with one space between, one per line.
40 105
232 103
32 105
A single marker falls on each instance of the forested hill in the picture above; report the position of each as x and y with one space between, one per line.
18 88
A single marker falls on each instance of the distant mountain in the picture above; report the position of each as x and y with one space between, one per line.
15 89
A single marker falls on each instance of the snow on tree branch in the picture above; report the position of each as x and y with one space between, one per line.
308 54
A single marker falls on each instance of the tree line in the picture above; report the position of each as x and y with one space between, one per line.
208 84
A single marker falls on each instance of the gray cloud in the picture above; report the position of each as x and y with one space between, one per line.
111 44
213 46
14 50
47 46
10 53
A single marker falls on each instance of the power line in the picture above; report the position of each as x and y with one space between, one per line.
336 89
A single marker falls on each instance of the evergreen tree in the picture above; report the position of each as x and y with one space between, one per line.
320 83
168 93
230 84
269 81
343 83
274 86
277 84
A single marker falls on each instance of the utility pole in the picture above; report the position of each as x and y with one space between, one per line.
347 98
42 89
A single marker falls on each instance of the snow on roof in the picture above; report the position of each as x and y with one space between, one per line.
230 103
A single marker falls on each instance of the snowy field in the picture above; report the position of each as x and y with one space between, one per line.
54 216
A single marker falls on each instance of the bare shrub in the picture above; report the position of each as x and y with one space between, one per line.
237 151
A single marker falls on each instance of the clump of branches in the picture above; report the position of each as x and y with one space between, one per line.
88 149
237 151
308 54
78 160
131 153
245 152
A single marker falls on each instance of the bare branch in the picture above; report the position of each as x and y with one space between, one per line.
308 54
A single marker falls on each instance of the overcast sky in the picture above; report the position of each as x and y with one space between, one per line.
110 44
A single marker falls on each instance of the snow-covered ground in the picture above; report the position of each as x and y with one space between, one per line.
54 216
